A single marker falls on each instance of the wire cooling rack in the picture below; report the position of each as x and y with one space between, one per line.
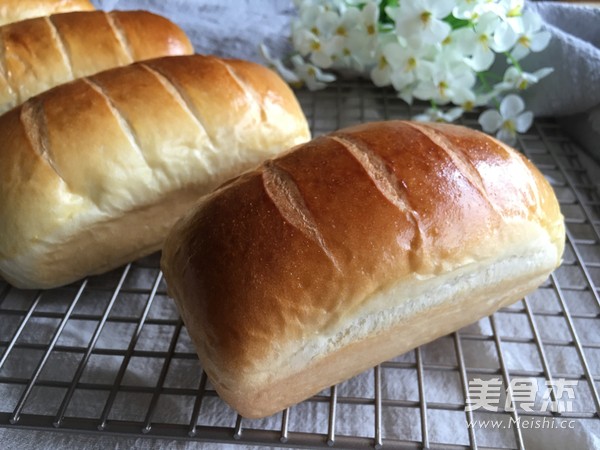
110 355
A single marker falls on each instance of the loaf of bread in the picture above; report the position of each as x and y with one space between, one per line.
352 249
45 52
16 10
94 172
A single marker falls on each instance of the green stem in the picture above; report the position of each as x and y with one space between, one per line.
514 61
492 75
484 82
488 88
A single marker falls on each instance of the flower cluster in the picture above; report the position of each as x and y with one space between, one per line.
434 50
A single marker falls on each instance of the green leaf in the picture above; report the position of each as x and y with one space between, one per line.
456 23
483 79
513 61
383 15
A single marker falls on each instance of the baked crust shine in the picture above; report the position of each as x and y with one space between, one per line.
17 10
39 54
96 171
376 238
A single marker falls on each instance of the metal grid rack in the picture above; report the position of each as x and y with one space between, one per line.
110 355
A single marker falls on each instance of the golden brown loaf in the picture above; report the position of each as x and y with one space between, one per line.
39 54
16 10
94 172
352 249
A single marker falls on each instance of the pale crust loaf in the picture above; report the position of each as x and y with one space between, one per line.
39 54
16 10
95 171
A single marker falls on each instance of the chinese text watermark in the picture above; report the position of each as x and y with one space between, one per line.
556 396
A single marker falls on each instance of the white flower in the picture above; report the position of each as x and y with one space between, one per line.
508 121
469 9
423 52
308 13
358 30
325 52
406 94
446 80
382 72
275 63
318 38
483 98
311 74
437 115
405 61
420 21
532 38
485 37
339 5
369 18
510 11
517 79
356 53
513 8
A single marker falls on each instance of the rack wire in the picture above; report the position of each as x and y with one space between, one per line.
110 355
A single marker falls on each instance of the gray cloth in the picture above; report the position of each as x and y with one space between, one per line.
235 29
572 92
224 28
574 53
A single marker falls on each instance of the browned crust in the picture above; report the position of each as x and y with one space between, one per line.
291 249
38 54
17 10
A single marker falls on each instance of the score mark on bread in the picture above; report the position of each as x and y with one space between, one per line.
39 54
96 171
354 248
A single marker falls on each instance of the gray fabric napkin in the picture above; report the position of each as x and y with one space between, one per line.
572 92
